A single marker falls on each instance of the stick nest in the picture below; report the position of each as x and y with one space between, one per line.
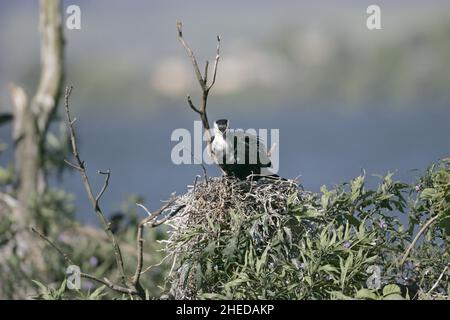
220 214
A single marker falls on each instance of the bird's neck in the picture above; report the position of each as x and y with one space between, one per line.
221 137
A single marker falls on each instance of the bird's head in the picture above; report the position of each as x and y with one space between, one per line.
221 126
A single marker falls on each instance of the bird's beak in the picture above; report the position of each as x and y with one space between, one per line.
222 128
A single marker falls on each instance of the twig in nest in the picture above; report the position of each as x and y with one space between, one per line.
195 182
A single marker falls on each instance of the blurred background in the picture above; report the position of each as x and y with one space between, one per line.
344 98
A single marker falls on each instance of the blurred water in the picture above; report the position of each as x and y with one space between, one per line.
323 147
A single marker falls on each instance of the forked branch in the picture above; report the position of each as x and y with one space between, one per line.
202 80
151 222
80 166
132 286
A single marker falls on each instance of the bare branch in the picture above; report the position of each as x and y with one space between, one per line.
47 95
65 256
438 280
205 174
191 55
205 74
145 208
94 200
72 165
110 285
215 64
105 185
195 183
156 223
140 239
155 265
192 105
413 243
203 84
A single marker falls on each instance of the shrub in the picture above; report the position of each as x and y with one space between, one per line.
269 239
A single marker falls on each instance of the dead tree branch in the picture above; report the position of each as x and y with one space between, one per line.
105 185
52 244
203 81
131 287
80 166
151 222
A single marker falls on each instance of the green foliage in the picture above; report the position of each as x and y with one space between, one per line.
62 293
94 255
257 240
323 246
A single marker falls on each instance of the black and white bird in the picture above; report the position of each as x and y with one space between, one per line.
238 153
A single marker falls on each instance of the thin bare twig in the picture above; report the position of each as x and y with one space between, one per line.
191 104
140 239
105 185
41 235
416 238
94 200
438 280
205 174
202 80
191 55
110 285
72 165
195 183
215 64
205 77
155 265
159 222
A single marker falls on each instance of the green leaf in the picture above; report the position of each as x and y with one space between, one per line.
394 296
262 260
328 268
391 289
445 224
237 282
428 193
356 187
340 296
98 293
366 294
62 288
345 267
41 286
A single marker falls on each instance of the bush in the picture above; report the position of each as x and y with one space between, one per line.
269 239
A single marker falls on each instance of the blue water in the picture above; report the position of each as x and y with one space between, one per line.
321 146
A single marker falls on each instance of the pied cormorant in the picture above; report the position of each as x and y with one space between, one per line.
238 153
